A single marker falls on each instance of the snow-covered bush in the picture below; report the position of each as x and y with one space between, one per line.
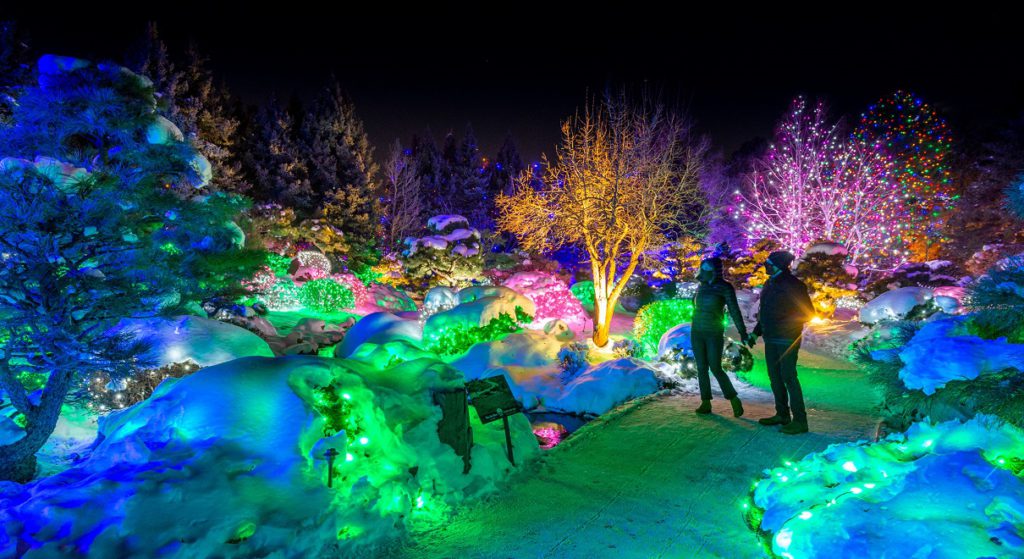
551 296
654 319
934 273
949 490
997 301
747 269
200 478
573 358
360 293
310 265
904 303
283 295
583 291
449 254
326 295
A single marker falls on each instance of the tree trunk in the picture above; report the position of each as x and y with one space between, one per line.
18 459
602 322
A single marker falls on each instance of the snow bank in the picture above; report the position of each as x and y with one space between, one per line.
529 361
441 222
937 491
206 341
895 304
229 462
602 387
942 351
478 306
829 249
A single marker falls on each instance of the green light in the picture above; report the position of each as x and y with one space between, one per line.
326 295
364 441
654 319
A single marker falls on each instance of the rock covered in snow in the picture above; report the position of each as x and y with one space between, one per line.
942 351
480 305
206 341
441 297
895 304
677 339
560 330
391 299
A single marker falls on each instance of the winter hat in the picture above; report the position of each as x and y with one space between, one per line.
716 266
781 259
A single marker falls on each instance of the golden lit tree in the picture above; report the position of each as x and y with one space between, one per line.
624 176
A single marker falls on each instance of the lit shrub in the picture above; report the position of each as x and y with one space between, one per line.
654 319
326 295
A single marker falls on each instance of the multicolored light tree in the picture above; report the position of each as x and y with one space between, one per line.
920 143
816 183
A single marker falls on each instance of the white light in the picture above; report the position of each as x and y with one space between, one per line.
849 466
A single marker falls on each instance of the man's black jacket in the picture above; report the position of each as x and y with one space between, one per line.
785 308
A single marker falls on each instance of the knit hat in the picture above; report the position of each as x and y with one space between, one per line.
716 266
781 259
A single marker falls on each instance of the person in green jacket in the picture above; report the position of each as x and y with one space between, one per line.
707 332
785 308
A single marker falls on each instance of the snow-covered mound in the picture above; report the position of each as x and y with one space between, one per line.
676 339
828 249
895 304
944 491
478 306
206 341
602 387
379 328
552 298
942 351
230 462
528 359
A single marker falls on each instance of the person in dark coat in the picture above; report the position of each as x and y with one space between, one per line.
707 332
785 308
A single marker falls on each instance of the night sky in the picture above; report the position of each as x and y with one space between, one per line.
523 71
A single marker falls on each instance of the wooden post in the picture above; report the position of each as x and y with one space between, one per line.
508 440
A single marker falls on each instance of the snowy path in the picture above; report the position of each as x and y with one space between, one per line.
652 480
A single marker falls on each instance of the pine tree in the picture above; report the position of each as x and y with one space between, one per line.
103 224
15 67
343 173
191 100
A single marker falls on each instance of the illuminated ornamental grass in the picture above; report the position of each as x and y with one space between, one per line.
654 319
455 337
953 488
326 295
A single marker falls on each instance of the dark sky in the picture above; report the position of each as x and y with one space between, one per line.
523 71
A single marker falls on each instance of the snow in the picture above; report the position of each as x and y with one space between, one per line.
677 338
942 351
379 328
461 235
229 462
53 65
602 387
201 171
829 249
463 250
441 297
529 361
62 174
203 340
937 491
163 132
480 305
895 304
441 222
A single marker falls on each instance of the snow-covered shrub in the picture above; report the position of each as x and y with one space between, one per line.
552 297
981 261
573 358
103 394
326 295
828 280
200 478
909 495
654 319
454 337
583 291
904 303
262 281
938 371
997 302
934 273
449 254
625 348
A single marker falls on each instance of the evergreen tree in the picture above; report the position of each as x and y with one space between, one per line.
191 100
103 224
15 67
343 173
430 172
469 183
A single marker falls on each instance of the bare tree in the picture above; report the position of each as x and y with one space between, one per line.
403 204
624 174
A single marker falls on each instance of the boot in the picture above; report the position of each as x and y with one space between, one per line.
705 407
737 406
775 420
795 427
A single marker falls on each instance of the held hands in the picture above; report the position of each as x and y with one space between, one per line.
750 340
